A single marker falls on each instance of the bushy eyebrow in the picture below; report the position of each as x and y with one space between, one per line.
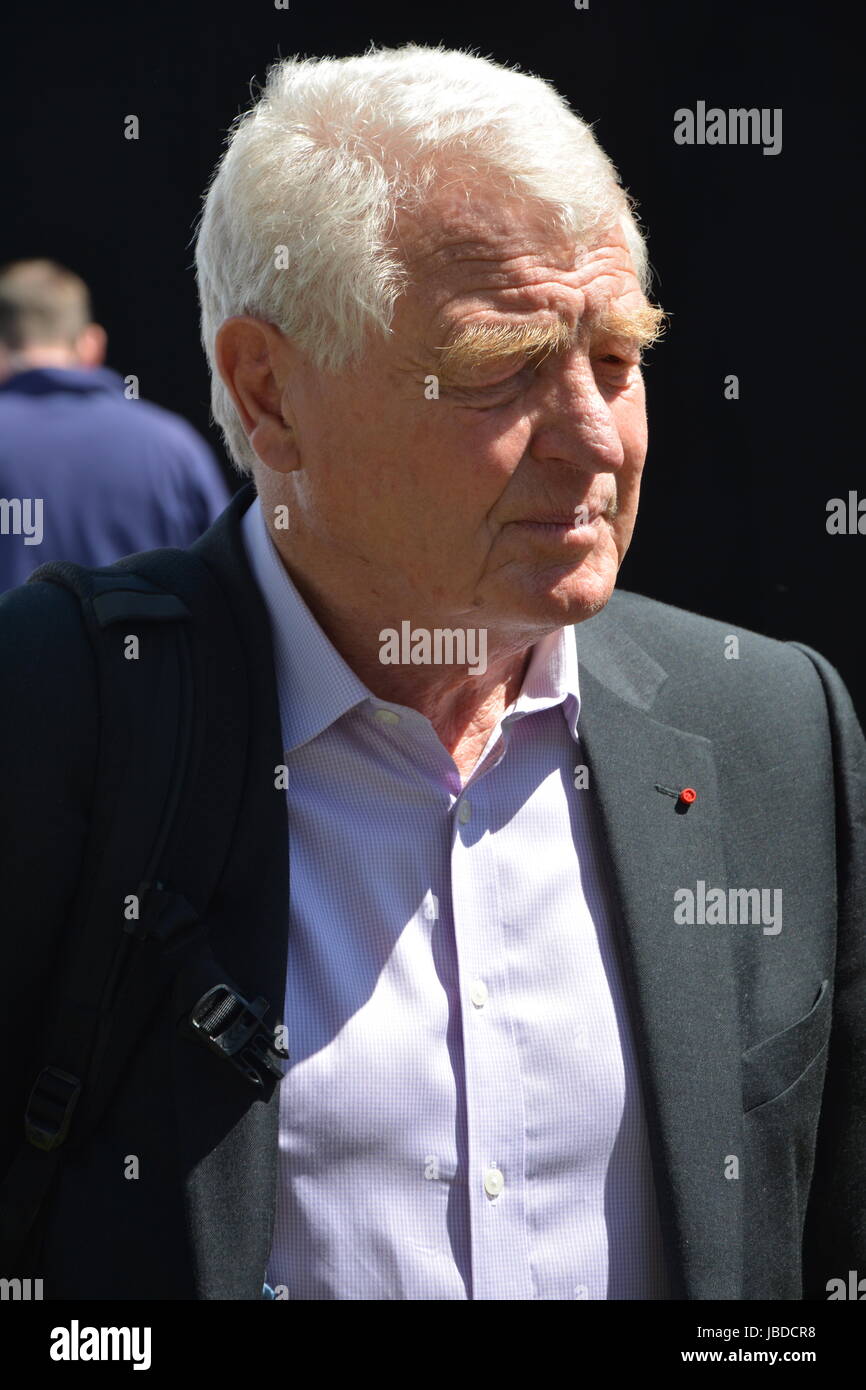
477 344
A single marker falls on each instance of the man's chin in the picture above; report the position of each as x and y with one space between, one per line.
587 606
580 593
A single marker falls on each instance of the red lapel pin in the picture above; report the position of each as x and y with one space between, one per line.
684 797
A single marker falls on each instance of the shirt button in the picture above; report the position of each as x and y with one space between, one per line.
581 1291
387 716
493 1182
464 813
478 994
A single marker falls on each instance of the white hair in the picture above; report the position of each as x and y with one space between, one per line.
297 224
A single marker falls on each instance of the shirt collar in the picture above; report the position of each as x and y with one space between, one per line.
41 381
551 679
317 687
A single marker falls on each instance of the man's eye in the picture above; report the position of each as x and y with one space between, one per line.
624 364
500 383
491 394
501 393
504 384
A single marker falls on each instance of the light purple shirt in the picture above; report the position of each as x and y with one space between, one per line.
462 1116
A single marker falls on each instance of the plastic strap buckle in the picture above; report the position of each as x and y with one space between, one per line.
49 1110
234 1029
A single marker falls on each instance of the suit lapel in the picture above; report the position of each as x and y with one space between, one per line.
680 978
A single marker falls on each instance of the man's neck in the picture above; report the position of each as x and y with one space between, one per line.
47 356
462 704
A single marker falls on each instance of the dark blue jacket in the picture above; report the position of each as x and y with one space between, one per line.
113 476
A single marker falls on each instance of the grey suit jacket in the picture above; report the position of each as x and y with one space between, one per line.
752 1040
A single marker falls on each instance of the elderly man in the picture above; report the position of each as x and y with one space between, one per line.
559 902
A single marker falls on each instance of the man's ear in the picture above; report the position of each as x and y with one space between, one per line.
253 358
91 345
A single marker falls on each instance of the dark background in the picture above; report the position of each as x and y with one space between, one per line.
758 259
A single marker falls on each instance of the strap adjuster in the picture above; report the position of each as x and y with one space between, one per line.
234 1029
166 917
49 1110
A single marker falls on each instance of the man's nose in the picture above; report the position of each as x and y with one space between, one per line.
573 421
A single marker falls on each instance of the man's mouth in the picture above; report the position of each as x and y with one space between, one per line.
583 517
559 521
581 528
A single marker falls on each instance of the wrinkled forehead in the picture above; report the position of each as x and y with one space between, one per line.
471 252
478 243
481 227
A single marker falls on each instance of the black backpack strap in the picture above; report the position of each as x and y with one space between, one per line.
133 930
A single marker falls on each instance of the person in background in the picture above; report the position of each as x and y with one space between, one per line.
86 474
